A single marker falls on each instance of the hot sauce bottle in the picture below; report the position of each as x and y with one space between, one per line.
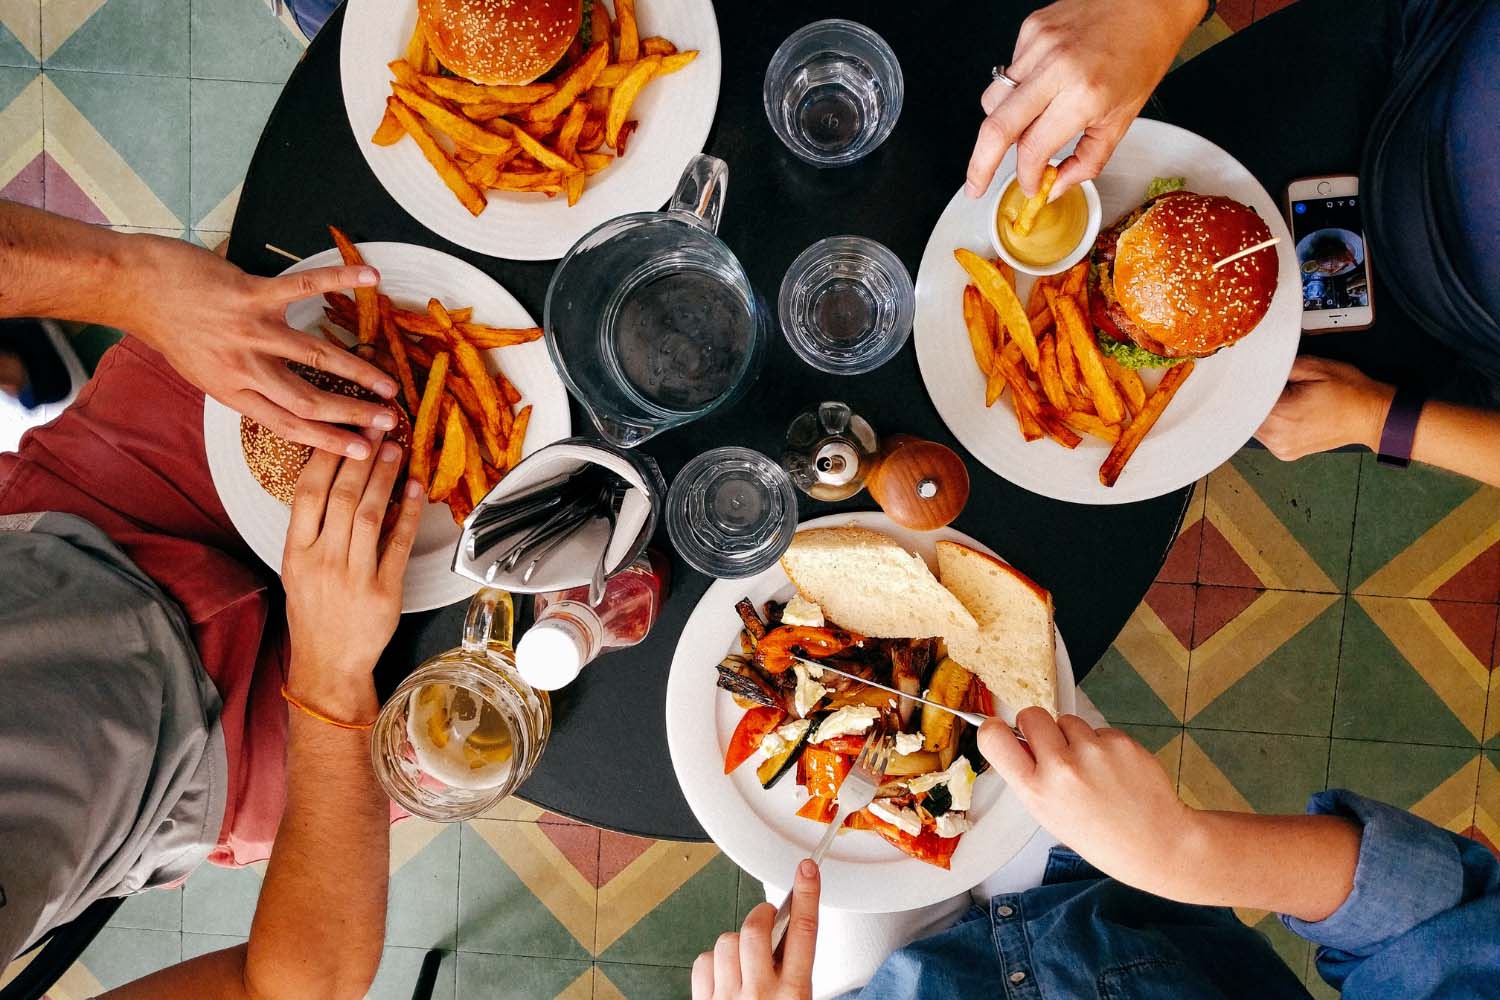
568 634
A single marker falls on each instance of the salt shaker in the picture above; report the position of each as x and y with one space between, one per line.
830 451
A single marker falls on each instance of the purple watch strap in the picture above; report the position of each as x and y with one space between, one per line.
1400 428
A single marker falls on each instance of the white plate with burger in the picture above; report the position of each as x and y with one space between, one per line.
516 43
410 275
1229 392
868 574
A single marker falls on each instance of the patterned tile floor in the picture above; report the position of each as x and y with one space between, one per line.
1323 623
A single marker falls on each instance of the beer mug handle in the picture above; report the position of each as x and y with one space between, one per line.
700 193
490 620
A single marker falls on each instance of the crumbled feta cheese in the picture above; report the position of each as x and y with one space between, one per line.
772 743
778 740
908 743
808 693
951 824
906 820
959 778
846 721
800 611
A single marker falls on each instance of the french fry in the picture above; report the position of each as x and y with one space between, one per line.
397 345
573 186
332 338
460 507
462 395
611 76
487 337
491 110
543 155
1131 386
1052 384
994 387
600 26
1056 428
507 389
627 30
458 128
466 193
578 78
657 46
1131 438
390 131
416 47
1002 297
1022 396
1081 404
567 137
1090 362
452 458
473 466
465 92
476 172
1006 271
340 310
624 96
595 162
472 366
1033 205
1067 363
367 314
626 131
1087 423
1074 277
517 439
424 431
456 316
510 181
979 333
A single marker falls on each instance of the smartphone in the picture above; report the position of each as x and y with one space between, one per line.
1332 253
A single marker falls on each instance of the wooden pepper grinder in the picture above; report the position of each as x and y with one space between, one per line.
921 484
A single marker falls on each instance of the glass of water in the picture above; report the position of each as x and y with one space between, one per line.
846 305
731 512
833 92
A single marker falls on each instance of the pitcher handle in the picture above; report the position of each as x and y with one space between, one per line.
491 619
700 192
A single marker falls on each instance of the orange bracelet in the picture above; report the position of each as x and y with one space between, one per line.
319 715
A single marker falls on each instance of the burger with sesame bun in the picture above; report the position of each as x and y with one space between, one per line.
1155 298
276 462
500 42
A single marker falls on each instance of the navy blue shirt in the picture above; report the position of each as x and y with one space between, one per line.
1423 921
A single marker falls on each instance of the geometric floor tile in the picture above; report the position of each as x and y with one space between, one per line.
153 910
1415 671
221 900
1492 707
523 976
1295 951
240 40
1264 661
1163 741
194 945
423 908
401 968
1422 532
20 33
21 166
119 955
617 981
1280 525
1143 676
1487 811
1252 772
1181 564
148 37
684 922
227 118
520 895
1436 783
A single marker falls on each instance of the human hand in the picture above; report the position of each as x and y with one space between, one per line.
1098 791
1326 404
343 588
1083 66
225 331
742 966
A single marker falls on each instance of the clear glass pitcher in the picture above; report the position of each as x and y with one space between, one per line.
463 731
651 319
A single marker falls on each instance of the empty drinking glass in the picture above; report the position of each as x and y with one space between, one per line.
833 92
731 512
846 305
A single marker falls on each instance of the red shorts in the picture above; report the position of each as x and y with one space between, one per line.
128 457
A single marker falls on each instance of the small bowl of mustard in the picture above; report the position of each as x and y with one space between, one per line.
1062 235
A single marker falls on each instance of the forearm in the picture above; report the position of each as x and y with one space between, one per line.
320 924
1302 866
1461 439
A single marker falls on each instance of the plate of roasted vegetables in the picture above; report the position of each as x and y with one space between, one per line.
761 738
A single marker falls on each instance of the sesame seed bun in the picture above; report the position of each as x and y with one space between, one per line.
500 41
276 462
1163 293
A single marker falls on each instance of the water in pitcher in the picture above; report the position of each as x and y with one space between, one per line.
678 337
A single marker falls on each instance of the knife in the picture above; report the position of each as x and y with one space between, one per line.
972 718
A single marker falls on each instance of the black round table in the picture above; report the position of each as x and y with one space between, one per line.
607 763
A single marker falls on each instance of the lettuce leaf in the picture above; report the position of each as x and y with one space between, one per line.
1162 185
1130 356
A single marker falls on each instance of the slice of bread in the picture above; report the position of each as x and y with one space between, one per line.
1015 650
866 582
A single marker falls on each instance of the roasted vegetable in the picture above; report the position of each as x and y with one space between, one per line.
968 746
862 694
778 764
908 764
748 615
774 610
927 846
822 810
780 647
950 686
937 801
908 663
825 771
753 727
741 678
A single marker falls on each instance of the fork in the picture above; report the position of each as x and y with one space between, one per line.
857 791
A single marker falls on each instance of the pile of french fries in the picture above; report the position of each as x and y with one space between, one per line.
466 432
541 137
1061 385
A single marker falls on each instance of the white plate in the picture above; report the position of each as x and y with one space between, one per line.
675 113
759 828
1213 414
410 275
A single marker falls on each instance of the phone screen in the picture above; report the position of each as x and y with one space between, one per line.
1331 253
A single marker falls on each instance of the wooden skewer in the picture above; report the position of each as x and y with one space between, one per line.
289 255
1247 252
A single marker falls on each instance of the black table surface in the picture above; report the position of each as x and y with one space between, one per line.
607 762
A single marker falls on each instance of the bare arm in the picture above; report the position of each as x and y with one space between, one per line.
1328 404
319 925
222 329
1105 796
